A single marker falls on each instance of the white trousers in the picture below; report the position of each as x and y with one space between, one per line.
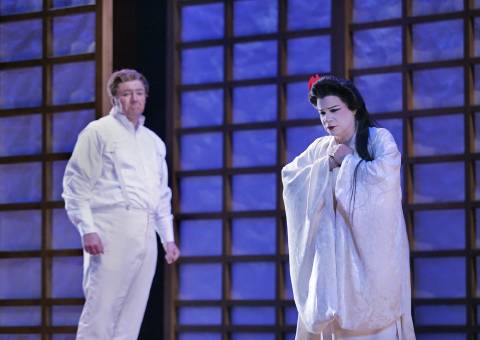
117 283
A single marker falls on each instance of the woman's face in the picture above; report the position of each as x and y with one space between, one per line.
336 117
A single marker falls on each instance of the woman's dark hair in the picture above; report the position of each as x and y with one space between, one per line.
329 85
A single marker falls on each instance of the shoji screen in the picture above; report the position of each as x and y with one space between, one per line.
416 63
240 112
51 62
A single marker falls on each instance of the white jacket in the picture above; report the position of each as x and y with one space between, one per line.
115 164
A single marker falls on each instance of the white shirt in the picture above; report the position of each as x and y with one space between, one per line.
116 164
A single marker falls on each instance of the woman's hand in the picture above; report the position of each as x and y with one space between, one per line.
340 151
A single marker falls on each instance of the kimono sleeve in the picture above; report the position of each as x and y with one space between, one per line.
310 216
383 168
372 247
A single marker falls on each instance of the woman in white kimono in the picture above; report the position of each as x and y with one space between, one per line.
349 255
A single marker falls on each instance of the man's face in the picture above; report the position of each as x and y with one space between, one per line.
132 97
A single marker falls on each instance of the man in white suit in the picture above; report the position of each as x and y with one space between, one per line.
116 194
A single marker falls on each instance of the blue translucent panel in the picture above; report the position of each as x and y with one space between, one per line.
20 182
58 169
374 10
438 41
24 278
299 138
439 229
478 275
254 103
477 180
438 88
395 126
202 22
255 60
290 316
440 315
424 7
476 84
201 151
253 281
477 228
21 40
254 148
288 291
377 47
21 87
285 237
20 230
477 4
201 237
255 17
443 336
71 3
67 91
253 236
290 336
381 92
202 108
64 233
438 135
253 315
67 275
8 7
253 336
199 336
309 55
477 223
199 315
66 315
439 277
476 41
19 336
202 65
246 195
21 135
74 34
305 14
66 126
298 105
20 316
200 282
439 182
69 336
198 194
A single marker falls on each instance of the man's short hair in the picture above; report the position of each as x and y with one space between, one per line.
122 76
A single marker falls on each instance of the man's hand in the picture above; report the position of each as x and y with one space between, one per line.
172 253
92 244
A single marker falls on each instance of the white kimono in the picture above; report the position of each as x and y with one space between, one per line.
351 280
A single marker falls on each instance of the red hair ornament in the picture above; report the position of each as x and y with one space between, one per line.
312 81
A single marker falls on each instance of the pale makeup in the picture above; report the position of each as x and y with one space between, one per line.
337 119
132 96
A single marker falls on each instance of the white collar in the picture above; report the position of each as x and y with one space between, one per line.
116 113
